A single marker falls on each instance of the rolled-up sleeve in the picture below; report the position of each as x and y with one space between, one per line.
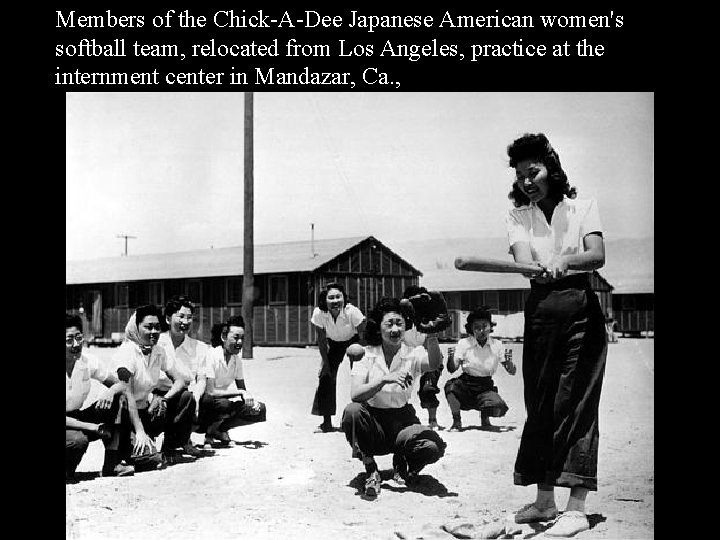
317 318
517 231
591 221
125 358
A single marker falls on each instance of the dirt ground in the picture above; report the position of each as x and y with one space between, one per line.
283 481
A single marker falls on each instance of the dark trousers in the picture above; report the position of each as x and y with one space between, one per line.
480 393
116 418
565 347
375 432
429 389
176 423
325 402
222 414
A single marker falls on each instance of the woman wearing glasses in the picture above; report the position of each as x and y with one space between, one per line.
105 419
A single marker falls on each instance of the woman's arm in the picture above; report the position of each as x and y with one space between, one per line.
179 382
522 253
591 259
142 439
362 391
106 396
322 345
454 361
434 353
219 392
74 423
361 332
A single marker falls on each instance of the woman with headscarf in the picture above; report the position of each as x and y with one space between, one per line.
139 362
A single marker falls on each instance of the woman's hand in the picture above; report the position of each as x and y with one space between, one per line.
105 399
403 378
157 408
557 267
143 442
510 367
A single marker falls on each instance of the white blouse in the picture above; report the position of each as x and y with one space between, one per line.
572 219
344 327
372 368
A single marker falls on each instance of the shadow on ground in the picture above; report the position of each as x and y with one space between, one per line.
424 484
491 429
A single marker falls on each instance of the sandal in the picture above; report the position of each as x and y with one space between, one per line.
532 514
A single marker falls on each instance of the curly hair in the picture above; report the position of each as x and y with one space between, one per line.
172 306
216 334
538 147
149 310
385 305
478 314
322 297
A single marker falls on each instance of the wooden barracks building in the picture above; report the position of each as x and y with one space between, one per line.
287 277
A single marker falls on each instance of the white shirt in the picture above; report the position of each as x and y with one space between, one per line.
224 373
146 370
341 329
187 359
77 386
372 368
481 361
572 219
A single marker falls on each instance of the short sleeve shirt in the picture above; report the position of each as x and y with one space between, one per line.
572 219
187 358
341 329
146 370
372 368
77 386
224 373
482 361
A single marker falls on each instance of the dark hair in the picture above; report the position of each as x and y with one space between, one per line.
322 297
374 318
178 301
480 313
172 306
73 320
147 311
537 146
216 334
220 328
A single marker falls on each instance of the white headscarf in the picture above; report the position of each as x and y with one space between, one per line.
133 334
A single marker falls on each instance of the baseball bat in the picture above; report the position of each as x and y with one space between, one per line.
485 264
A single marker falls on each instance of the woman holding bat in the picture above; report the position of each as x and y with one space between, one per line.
565 344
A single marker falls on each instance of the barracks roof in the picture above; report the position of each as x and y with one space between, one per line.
228 261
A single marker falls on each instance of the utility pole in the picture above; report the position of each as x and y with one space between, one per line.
125 236
248 246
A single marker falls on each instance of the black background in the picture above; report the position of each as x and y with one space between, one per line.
641 56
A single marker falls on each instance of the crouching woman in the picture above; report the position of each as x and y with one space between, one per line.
221 406
380 420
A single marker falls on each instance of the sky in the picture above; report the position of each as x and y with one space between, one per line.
168 168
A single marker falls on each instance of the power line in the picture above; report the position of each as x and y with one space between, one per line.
125 236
